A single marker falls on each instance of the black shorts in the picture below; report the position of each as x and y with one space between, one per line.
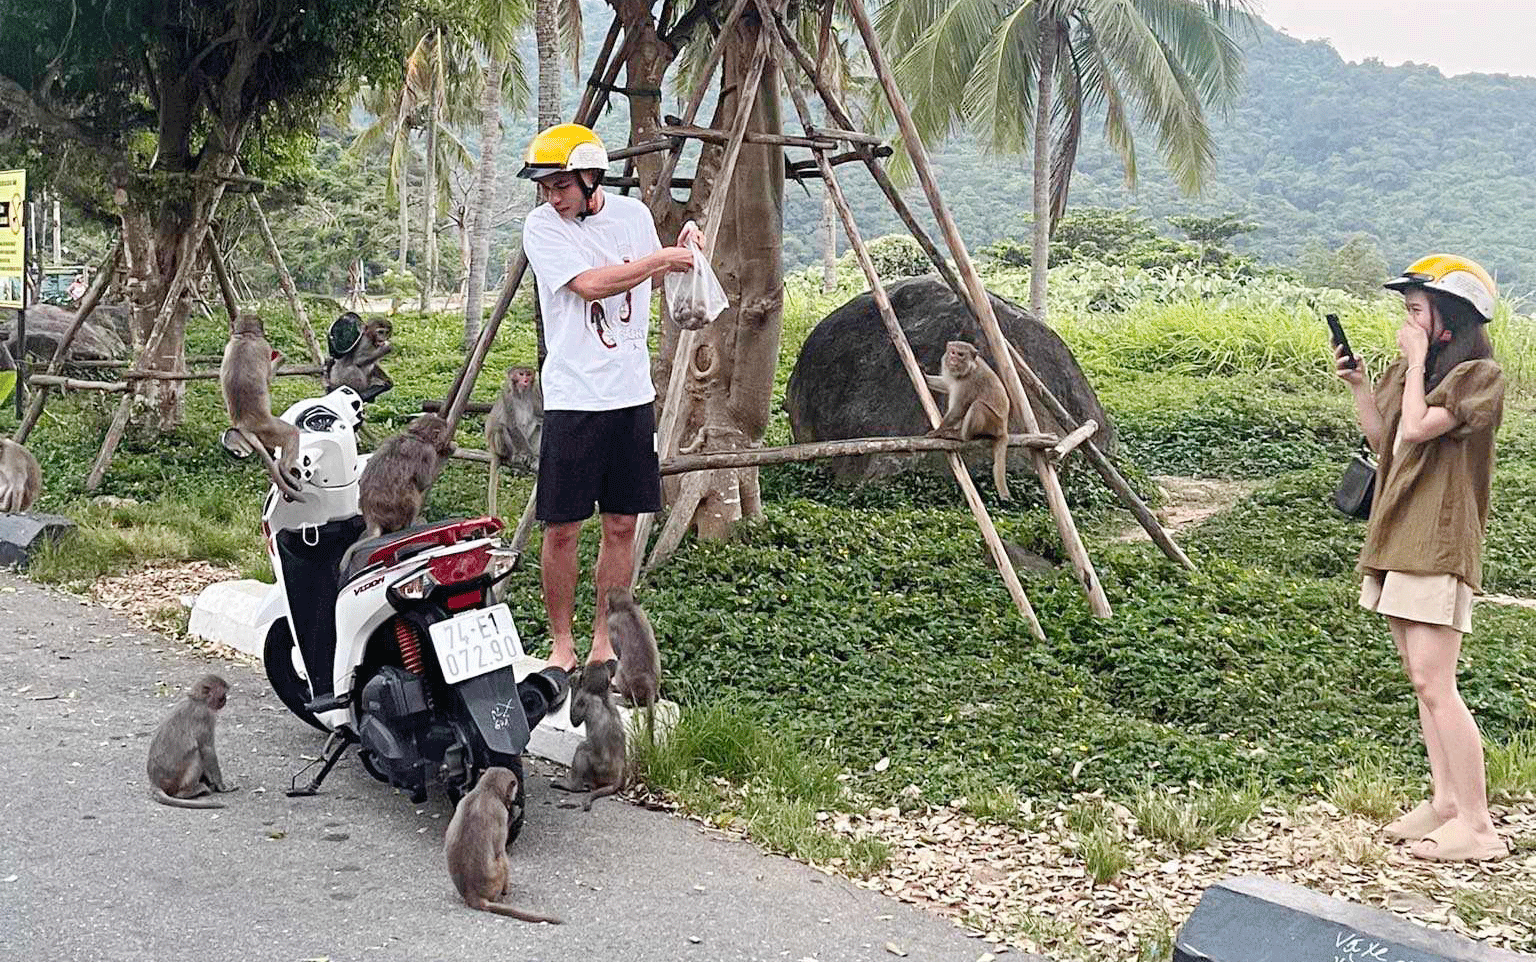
602 457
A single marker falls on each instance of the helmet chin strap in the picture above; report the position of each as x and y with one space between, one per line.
587 191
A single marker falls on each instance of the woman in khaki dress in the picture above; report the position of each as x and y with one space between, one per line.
1431 420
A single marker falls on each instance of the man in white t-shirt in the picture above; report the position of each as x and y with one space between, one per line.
595 257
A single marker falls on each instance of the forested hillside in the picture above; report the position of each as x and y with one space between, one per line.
1315 151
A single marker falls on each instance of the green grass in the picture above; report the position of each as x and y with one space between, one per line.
1512 768
1193 821
1099 842
1366 788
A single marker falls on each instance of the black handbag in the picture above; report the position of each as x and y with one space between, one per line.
1358 486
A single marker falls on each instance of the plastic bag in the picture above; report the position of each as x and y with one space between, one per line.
695 296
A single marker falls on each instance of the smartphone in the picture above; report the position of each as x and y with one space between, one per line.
1339 340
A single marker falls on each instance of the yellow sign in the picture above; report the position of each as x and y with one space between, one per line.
13 236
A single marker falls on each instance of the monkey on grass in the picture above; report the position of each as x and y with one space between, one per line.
514 427
978 405
476 846
183 766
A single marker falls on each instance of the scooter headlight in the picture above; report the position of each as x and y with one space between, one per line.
417 586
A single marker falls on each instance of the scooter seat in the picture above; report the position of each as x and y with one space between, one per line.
387 549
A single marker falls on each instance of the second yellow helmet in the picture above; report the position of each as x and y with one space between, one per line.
1449 274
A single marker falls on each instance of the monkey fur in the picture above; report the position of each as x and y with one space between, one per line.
638 679
476 846
246 376
600 760
397 477
21 478
182 763
515 426
978 405
359 368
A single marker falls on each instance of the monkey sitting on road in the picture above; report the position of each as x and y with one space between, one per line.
246 376
182 763
515 426
356 365
398 475
978 405
600 760
476 846
21 478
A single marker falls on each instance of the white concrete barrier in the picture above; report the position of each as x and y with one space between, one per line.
226 613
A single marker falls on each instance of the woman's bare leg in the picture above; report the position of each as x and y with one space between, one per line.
1441 799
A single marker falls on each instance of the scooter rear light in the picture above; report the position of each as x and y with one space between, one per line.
464 600
461 566
417 586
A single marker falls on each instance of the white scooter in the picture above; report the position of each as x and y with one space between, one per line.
395 644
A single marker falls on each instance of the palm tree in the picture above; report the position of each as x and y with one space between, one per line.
556 29
979 64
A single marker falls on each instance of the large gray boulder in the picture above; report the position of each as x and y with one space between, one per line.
98 339
849 383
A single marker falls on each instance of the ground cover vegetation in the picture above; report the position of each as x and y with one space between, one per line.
864 624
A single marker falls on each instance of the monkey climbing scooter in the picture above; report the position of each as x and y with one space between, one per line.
395 644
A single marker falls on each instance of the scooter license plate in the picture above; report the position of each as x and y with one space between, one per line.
476 642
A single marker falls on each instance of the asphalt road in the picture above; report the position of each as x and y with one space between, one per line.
91 869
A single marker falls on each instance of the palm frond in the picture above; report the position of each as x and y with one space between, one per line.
570 33
1100 87
936 69
1200 43
999 95
1068 113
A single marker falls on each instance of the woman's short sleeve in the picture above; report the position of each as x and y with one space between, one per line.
1474 394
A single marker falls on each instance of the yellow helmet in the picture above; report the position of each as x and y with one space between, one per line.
564 147
1456 276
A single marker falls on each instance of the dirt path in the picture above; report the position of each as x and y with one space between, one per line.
1189 501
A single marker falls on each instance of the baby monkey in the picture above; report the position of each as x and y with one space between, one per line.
476 846
182 763
978 405
600 761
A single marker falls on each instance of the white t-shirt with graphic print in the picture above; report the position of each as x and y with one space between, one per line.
597 357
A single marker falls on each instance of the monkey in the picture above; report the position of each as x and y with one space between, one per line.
639 674
358 368
397 477
515 426
978 405
246 376
476 846
21 477
599 763
182 763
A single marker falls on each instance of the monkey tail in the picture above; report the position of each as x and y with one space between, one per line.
513 912
603 791
288 487
1000 467
156 793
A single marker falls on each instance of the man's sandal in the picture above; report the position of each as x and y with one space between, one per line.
1454 842
1415 825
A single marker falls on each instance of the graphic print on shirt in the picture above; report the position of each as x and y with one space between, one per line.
599 324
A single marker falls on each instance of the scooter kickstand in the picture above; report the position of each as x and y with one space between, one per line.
335 747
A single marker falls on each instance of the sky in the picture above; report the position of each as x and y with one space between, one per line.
1458 36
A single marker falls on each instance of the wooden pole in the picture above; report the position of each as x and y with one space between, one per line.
211 245
285 279
599 66
982 305
712 136
93 296
841 448
1106 469
898 340
1069 443
71 384
836 110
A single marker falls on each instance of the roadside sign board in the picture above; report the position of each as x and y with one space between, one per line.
13 237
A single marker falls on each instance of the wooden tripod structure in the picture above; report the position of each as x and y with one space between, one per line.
778 46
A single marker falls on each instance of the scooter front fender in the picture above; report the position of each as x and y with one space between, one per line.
495 704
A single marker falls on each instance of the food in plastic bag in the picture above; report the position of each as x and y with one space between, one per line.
695 296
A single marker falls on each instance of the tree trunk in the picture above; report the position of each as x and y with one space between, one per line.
402 192
429 184
828 243
749 259
1045 84
484 195
546 32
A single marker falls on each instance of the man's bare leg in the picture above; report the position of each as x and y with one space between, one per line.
615 565
559 569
